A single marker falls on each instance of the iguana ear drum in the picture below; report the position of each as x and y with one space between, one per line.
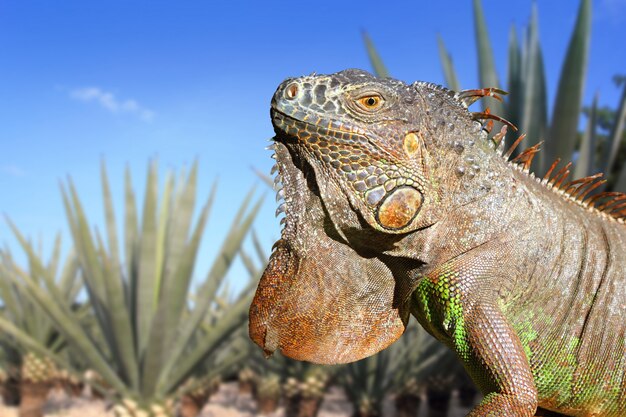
399 208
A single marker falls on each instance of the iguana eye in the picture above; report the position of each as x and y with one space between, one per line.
370 102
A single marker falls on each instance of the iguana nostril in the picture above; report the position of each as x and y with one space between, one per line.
291 91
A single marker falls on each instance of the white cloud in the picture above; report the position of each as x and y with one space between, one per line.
13 170
111 103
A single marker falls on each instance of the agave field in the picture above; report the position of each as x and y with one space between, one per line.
111 323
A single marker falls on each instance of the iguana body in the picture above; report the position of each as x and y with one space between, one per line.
397 202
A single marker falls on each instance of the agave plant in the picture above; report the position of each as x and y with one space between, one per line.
527 105
369 381
151 338
37 372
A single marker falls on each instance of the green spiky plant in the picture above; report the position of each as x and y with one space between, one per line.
37 372
527 104
150 337
368 381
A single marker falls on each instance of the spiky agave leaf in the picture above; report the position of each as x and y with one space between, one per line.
567 106
449 72
533 116
377 63
616 134
585 161
486 66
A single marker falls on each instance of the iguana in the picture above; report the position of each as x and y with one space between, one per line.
398 201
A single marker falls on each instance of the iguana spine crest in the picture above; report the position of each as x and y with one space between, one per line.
608 204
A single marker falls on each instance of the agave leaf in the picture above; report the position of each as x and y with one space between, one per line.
111 225
130 238
515 85
69 286
259 250
563 129
248 263
147 263
8 293
486 66
123 342
107 293
227 325
534 114
206 292
164 228
181 252
584 164
377 63
230 247
93 286
53 264
616 132
452 82
264 177
76 220
169 312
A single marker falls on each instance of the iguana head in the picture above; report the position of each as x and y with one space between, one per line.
362 162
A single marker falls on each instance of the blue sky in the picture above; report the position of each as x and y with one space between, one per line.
130 81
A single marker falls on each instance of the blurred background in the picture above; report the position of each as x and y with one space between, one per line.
156 87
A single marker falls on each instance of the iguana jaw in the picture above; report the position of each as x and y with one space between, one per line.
318 299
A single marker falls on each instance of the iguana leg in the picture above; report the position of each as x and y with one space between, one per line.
496 360
450 305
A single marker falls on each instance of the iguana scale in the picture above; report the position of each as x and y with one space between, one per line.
398 202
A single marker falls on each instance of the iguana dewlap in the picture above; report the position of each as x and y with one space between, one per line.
397 202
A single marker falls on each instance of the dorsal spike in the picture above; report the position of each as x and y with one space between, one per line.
469 97
561 176
479 116
508 153
617 208
607 205
546 177
589 189
591 202
497 138
580 183
526 157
